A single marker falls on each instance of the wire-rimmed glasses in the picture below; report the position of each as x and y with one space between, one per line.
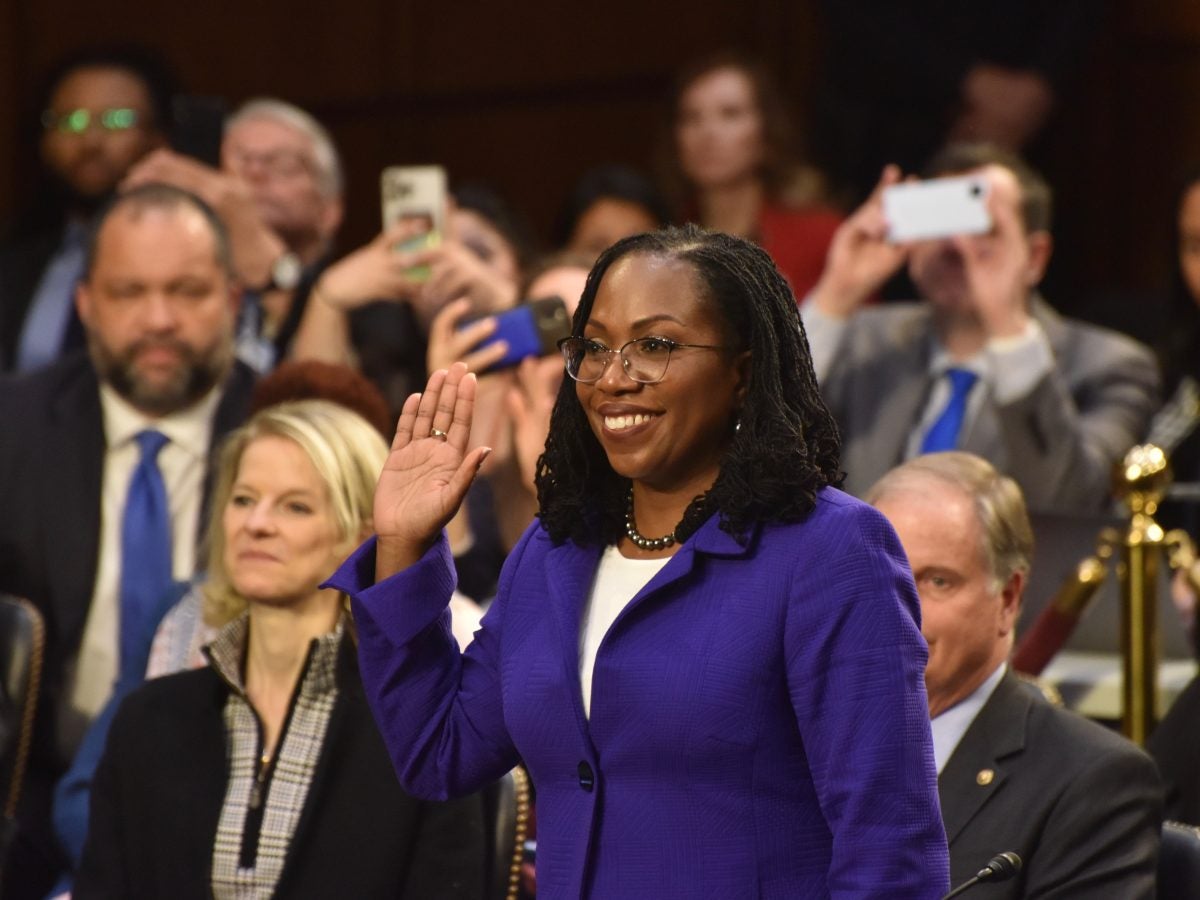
644 359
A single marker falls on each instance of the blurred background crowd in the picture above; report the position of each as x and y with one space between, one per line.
527 103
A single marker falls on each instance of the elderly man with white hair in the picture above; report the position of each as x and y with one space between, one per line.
279 192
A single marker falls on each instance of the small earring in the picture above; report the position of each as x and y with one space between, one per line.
737 425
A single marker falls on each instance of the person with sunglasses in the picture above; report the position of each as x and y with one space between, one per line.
708 657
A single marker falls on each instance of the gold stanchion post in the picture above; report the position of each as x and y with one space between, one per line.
1142 481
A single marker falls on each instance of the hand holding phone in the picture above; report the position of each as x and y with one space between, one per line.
417 195
452 339
533 328
937 208
860 258
199 127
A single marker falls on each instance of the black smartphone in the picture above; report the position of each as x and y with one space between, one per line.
198 126
532 329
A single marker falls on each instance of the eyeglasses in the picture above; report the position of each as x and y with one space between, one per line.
77 121
644 360
277 163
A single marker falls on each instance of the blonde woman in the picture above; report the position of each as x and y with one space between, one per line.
263 774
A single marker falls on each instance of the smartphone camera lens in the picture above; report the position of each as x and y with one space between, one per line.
976 191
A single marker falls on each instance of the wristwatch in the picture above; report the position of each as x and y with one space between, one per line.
285 273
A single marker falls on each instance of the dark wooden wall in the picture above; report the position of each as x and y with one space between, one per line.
528 95
524 96
1115 155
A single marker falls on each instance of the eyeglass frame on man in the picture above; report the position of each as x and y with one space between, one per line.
79 121
626 364
281 163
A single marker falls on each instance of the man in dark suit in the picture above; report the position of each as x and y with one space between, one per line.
1079 804
103 110
982 363
158 301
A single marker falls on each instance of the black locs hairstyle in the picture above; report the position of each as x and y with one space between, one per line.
787 446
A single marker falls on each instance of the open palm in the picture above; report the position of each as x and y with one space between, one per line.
429 468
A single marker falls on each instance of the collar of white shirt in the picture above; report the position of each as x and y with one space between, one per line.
940 362
189 429
949 727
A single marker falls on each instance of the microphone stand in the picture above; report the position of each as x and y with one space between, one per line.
1000 867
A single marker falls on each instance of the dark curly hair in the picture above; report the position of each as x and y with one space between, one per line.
787 447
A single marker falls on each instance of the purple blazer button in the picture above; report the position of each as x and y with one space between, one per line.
587 779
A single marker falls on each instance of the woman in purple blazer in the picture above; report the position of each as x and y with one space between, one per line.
707 656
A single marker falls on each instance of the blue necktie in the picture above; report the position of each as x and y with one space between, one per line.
943 433
145 553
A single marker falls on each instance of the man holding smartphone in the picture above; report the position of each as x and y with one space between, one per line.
981 363
279 193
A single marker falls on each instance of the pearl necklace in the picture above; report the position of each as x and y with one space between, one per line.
644 543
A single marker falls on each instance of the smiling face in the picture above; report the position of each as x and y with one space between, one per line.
966 617
668 436
281 536
719 130
158 306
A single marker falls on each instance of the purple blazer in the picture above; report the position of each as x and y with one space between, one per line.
759 725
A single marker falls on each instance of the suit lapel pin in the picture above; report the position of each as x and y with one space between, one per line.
985 776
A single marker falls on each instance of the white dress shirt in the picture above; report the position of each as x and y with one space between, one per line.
949 727
182 462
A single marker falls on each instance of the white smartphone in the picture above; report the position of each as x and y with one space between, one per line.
937 208
414 192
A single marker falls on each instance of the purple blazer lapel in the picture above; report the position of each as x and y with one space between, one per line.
571 569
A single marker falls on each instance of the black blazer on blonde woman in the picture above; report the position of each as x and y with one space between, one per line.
159 789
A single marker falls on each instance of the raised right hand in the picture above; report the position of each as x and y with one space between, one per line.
426 475
860 257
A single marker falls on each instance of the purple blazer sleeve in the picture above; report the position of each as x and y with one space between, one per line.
440 711
856 676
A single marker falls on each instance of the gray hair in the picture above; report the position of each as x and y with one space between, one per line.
999 506
330 176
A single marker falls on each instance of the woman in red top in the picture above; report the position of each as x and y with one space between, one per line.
730 168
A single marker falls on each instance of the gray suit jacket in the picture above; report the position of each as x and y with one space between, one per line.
1059 442
1081 805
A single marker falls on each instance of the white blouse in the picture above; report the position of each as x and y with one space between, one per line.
618 580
